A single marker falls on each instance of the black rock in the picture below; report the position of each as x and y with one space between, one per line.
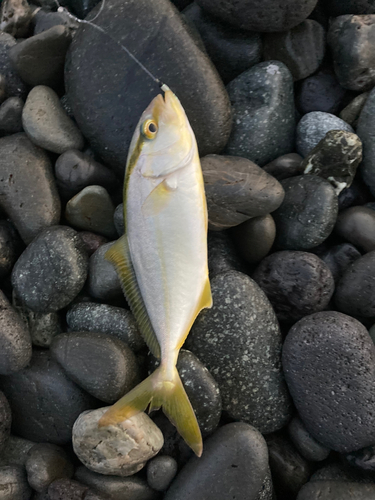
44 401
13 483
352 111
339 257
28 196
285 166
267 15
161 471
39 60
366 122
313 127
237 190
234 464
15 342
296 283
328 361
14 451
357 194
233 51
254 238
357 225
301 49
92 241
5 421
45 463
118 219
308 213
14 86
335 490
104 84
355 292
239 341
102 365
43 327
307 446
51 271
11 116
341 7
103 282
222 255
103 318
263 113
10 247
355 67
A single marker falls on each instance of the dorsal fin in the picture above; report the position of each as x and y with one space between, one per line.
119 255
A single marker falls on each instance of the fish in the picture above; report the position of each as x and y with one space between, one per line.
161 259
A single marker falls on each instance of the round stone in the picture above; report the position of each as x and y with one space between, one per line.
43 327
308 447
103 281
11 116
222 254
285 166
357 225
91 241
339 257
336 490
366 122
352 111
14 451
13 483
14 86
254 238
161 471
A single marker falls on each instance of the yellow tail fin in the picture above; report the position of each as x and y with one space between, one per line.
157 391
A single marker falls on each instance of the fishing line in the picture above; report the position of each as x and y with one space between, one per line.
90 23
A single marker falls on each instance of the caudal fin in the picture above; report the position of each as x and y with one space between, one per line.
158 392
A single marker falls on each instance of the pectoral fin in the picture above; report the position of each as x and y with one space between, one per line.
159 198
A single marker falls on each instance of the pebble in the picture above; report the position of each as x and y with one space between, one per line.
357 194
43 327
118 219
285 166
45 463
66 489
308 213
241 327
268 15
14 86
117 488
92 241
103 90
10 247
352 111
366 122
47 124
13 483
75 170
313 127
28 196
355 292
237 190
15 342
262 100
44 401
106 319
234 464
301 49
103 281
232 51
11 116
307 446
335 490
51 271
296 283
15 17
339 257
14 451
357 226
102 365
355 68
222 255
92 210
254 238
39 60
43 20
328 360
161 470
335 158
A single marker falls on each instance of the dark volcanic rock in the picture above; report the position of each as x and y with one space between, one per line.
328 361
265 15
13 483
104 85
51 271
357 225
44 401
263 113
308 213
366 132
301 49
11 116
307 446
237 190
161 471
339 257
234 465
254 238
14 86
296 283
28 192
285 166
231 340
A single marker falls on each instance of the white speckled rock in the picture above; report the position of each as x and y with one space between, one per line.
115 450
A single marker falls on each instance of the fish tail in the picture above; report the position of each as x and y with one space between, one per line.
160 391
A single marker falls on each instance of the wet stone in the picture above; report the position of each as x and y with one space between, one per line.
308 213
28 196
106 319
45 463
351 112
307 446
335 158
357 226
296 283
15 17
339 257
92 241
14 86
366 122
103 282
43 327
254 238
118 219
14 451
328 361
355 68
39 60
102 365
44 401
262 100
236 190
285 166
161 471
47 124
10 247
301 49
51 271
13 483
227 339
11 116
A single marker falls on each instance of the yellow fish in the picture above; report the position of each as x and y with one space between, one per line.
162 257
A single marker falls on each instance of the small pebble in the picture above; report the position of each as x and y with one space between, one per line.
11 116
339 257
351 112
13 483
15 17
254 238
357 194
357 226
161 471
43 327
14 86
14 451
285 166
103 282
67 489
307 446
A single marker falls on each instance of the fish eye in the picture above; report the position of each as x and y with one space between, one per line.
149 129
